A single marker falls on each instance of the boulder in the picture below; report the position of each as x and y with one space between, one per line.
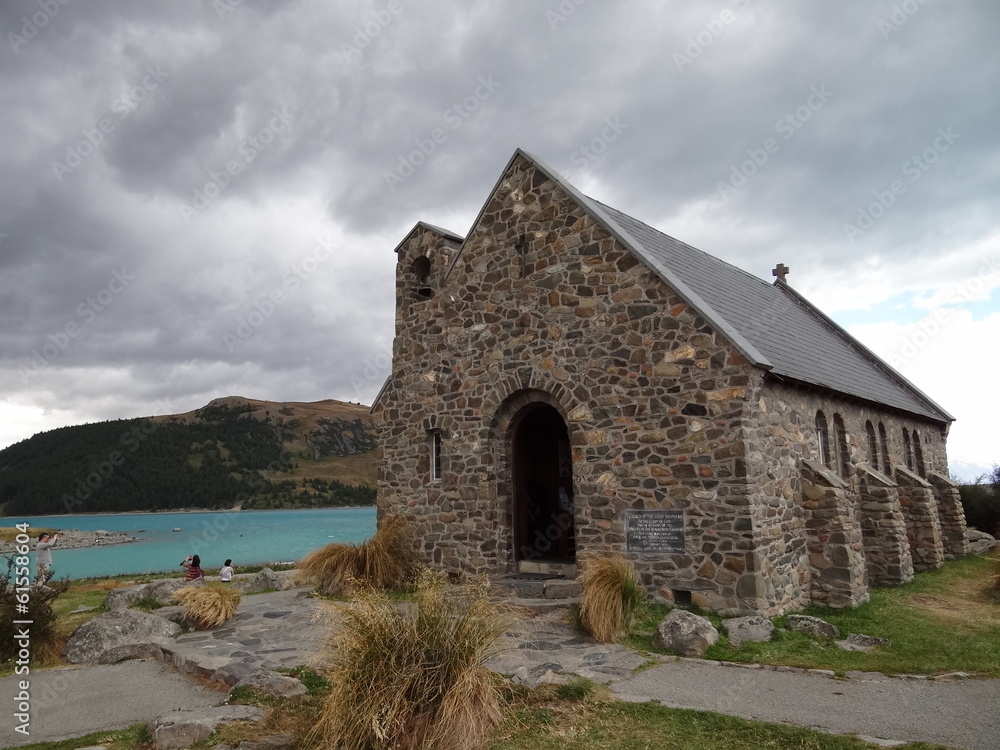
812 625
174 614
750 628
273 683
184 729
980 542
125 597
860 642
686 633
233 672
266 580
163 591
119 635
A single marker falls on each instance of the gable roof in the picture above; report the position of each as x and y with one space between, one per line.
771 325
798 340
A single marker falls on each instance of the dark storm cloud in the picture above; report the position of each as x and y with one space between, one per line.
205 149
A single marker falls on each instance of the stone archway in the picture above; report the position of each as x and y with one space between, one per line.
534 481
542 486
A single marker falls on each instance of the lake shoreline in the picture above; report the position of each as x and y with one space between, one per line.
163 511
76 539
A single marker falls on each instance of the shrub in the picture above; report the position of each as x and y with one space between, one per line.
611 596
407 676
208 606
384 561
45 640
981 502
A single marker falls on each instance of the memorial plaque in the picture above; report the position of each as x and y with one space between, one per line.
655 531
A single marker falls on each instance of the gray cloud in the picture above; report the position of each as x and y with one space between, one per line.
207 146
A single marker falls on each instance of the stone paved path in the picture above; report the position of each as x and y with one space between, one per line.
277 629
281 629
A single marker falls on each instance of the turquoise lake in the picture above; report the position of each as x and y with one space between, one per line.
249 537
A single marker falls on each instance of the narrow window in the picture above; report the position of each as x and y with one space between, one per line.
436 456
883 440
907 450
823 436
918 455
422 273
872 444
843 452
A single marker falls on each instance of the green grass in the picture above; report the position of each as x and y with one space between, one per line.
650 726
923 642
122 739
147 604
578 689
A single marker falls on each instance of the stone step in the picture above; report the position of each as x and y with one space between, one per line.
547 567
548 588
540 606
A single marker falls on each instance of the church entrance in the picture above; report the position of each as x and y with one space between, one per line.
542 487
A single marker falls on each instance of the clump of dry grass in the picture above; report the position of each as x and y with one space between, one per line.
384 561
208 606
611 596
408 676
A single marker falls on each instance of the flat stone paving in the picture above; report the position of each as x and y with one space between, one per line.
286 628
277 629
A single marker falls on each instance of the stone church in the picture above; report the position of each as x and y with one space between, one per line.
568 380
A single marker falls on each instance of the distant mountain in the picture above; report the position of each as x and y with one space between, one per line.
234 452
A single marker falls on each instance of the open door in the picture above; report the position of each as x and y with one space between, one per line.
543 487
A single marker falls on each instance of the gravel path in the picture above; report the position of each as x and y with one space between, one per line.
962 713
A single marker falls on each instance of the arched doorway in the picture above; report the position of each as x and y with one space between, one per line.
542 486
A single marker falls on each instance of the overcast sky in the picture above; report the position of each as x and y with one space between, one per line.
200 198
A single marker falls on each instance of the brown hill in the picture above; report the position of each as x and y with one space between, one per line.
330 440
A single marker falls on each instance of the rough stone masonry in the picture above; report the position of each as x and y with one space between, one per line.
564 366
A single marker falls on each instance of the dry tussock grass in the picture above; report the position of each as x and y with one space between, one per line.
382 562
611 596
208 606
409 676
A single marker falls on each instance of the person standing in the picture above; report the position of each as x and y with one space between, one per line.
226 572
43 556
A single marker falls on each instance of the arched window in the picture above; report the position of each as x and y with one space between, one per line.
436 453
918 455
883 440
907 450
422 273
872 444
843 451
823 438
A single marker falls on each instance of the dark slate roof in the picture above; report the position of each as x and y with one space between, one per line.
796 340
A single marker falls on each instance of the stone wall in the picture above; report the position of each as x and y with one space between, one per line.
834 540
951 516
543 304
887 551
923 528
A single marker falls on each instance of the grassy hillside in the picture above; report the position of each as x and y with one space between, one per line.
234 452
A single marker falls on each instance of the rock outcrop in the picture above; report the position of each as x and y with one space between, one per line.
119 635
